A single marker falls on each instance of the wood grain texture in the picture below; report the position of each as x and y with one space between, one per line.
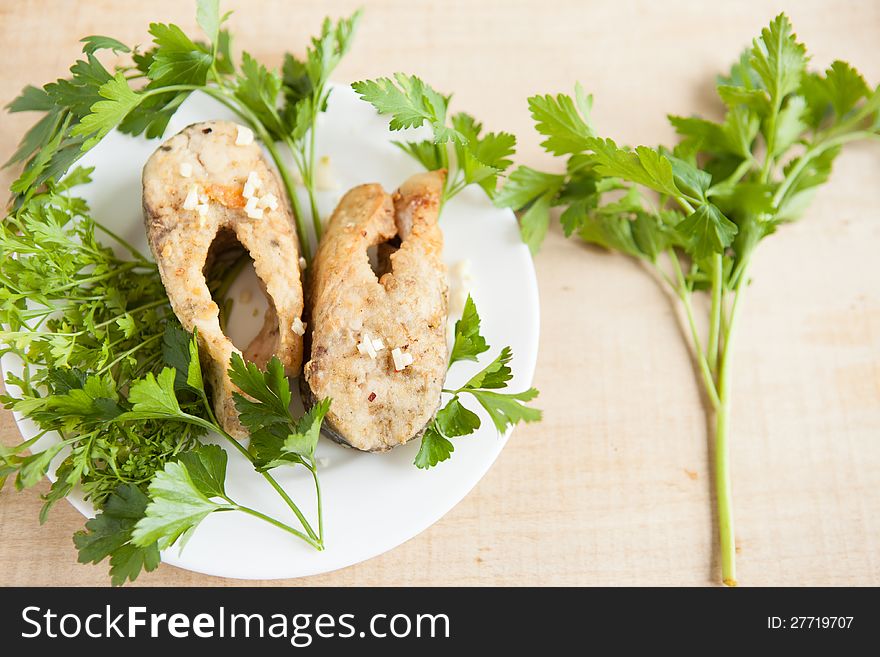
613 487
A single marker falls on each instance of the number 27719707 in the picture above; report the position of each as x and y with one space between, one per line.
809 622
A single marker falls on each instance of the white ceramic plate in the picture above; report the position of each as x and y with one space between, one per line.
372 502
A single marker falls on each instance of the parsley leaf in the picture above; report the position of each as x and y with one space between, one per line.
564 121
434 449
153 396
508 409
258 89
328 49
454 419
180 351
707 230
95 43
410 102
177 59
495 375
179 501
778 59
468 342
479 158
533 192
304 439
276 437
209 19
109 535
525 185
206 466
106 114
644 166
270 392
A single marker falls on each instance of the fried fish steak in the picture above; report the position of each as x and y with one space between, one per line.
205 157
376 405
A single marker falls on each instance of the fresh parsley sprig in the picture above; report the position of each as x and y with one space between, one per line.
695 213
458 143
132 527
505 409
156 397
84 322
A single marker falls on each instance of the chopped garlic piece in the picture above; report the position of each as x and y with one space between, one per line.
460 285
186 169
244 136
192 198
269 201
251 204
401 359
256 213
462 269
251 185
378 345
203 209
324 179
366 346
302 263
298 327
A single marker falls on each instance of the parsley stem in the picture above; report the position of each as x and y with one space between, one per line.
812 152
685 296
130 352
316 217
313 468
723 488
304 244
137 254
738 174
770 140
293 507
146 306
314 542
96 279
715 316
214 425
307 173
683 202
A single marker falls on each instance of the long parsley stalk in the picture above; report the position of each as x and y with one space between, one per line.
723 188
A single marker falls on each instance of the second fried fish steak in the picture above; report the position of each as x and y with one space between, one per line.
378 344
194 189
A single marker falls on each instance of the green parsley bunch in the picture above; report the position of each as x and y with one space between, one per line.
694 214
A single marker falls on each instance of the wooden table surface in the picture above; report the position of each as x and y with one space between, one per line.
614 486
